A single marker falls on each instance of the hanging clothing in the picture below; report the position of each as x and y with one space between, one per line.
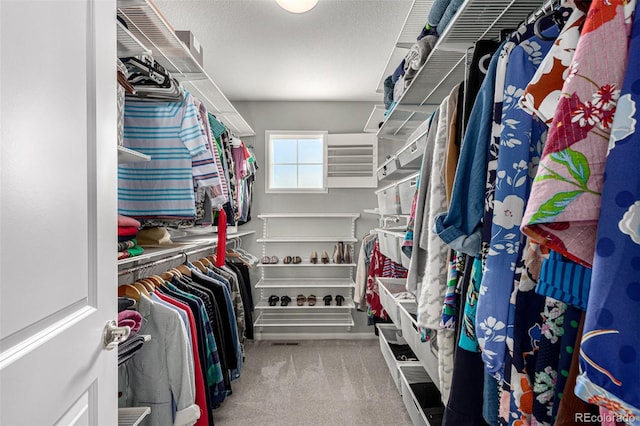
610 367
432 287
420 232
565 199
180 160
159 374
202 395
521 140
460 226
380 266
364 260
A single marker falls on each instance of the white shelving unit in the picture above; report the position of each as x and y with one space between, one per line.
307 283
128 44
303 319
299 234
445 67
306 264
346 305
147 25
376 212
317 239
126 155
179 246
132 416
375 118
416 19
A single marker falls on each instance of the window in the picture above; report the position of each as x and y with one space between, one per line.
296 161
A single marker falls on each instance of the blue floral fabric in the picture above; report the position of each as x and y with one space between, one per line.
610 349
521 143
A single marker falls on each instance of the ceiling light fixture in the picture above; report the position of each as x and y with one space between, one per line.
297 6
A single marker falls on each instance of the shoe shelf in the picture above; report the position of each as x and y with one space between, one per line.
306 283
308 215
306 265
305 233
348 304
304 319
318 239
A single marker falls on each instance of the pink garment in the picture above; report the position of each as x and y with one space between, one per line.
130 318
125 221
564 205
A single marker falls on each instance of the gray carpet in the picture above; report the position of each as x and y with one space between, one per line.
331 382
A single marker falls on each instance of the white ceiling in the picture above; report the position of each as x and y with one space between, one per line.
256 51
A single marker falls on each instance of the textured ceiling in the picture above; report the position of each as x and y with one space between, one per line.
256 51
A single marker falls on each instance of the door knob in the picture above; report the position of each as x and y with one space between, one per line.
114 335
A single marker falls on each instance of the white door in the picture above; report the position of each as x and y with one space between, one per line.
57 211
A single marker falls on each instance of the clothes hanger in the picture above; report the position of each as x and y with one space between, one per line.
149 285
167 276
200 266
206 262
158 281
122 80
175 271
184 269
148 70
141 288
127 290
556 16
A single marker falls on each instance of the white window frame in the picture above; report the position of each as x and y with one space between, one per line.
295 134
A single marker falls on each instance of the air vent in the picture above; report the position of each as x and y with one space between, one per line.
351 160
284 344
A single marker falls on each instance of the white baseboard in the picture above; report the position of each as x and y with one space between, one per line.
314 336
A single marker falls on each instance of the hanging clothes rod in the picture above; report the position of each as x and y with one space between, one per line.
184 254
181 255
546 7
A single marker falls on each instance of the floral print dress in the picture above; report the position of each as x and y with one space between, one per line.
564 205
521 142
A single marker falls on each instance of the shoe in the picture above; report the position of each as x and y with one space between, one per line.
274 260
287 260
337 253
311 300
273 300
297 260
284 300
347 256
314 257
325 257
427 30
327 300
301 299
339 300
266 260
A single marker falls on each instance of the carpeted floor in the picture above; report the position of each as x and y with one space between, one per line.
331 382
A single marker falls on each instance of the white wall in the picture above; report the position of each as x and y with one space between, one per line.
335 117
